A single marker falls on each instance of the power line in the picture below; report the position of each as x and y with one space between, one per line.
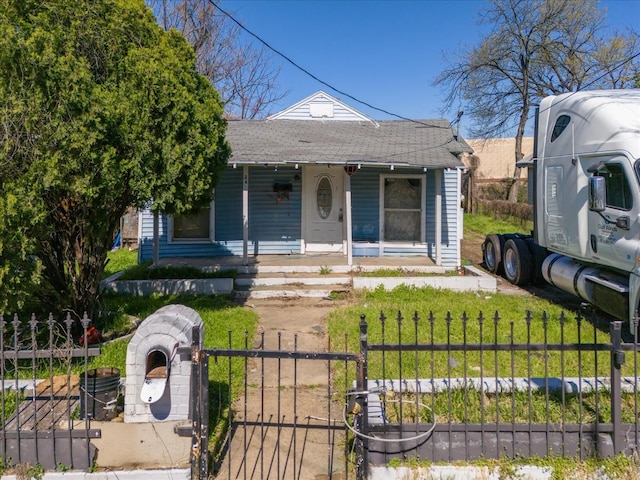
307 72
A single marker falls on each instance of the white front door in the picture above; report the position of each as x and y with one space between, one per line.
323 208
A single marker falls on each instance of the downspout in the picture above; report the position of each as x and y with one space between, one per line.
245 215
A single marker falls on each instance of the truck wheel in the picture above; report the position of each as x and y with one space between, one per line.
538 254
517 261
492 252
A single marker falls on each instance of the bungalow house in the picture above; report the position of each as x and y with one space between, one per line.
321 177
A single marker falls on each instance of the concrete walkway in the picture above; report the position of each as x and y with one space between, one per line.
288 405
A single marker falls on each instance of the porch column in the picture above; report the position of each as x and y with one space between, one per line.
156 239
438 188
245 215
347 217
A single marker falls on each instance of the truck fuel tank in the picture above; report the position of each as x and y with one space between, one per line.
605 289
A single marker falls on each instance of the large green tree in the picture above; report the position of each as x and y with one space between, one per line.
534 48
101 110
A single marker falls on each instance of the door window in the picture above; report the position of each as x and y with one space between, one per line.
618 190
324 197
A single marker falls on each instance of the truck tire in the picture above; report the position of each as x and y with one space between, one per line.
538 254
516 261
492 253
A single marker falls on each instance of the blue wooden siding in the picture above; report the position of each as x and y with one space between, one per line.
275 226
365 196
450 210
365 205
229 205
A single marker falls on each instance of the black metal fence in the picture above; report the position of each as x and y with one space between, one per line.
464 389
39 407
441 390
284 420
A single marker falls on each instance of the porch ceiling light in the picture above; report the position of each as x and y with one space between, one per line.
392 167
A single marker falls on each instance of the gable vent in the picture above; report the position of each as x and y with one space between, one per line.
321 110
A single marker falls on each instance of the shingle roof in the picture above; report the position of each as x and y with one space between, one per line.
425 143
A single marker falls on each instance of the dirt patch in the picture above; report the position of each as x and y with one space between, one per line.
471 248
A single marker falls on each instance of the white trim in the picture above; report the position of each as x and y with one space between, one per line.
316 96
156 238
245 215
438 199
212 229
325 247
347 218
140 217
460 231
423 211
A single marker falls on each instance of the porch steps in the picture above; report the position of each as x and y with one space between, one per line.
291 285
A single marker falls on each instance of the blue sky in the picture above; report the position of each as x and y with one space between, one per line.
384 52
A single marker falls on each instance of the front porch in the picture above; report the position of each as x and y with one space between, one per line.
310 275
307 263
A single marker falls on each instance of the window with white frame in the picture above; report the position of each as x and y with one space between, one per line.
193 226
403 208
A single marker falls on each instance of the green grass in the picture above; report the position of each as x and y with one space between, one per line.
469 405
118 260
146 271
450 318
401 272
123 259
485 225
219 315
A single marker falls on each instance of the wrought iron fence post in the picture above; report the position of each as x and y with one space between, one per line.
361 421
199 394
617 360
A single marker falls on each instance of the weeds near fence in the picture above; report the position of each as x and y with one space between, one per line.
531 385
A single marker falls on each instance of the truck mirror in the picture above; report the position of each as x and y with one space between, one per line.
597 194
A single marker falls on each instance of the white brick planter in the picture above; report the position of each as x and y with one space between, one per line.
473 280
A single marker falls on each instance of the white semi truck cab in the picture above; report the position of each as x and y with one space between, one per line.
586 197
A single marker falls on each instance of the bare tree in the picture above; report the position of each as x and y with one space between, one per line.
245 76
536 48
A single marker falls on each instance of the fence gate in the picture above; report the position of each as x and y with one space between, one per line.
286 421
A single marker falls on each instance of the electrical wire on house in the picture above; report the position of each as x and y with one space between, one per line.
307 72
